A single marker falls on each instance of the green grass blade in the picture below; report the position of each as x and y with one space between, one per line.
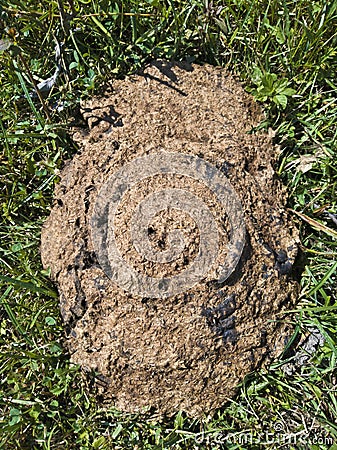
29 286
11 315
38 116
326 277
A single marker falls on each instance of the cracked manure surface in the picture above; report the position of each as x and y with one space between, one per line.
190 350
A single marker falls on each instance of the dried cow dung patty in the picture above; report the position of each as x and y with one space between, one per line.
169 241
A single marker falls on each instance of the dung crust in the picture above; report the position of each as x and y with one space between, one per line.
189 351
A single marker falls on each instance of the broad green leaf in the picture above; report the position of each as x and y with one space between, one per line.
289 92
268 80
50 320
280 100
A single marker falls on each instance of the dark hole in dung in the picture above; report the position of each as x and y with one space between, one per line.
221 319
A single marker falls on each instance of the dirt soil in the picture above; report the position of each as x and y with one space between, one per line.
188 351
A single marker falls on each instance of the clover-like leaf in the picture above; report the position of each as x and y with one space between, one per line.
280 100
